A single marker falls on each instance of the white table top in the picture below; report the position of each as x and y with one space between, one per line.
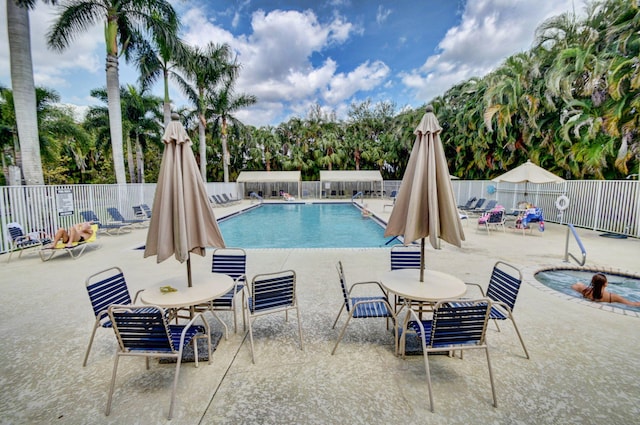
436 286
203 290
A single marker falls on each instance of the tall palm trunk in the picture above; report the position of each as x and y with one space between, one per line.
132 170
226 160
139 159
24 92
115 118
203 147
166 106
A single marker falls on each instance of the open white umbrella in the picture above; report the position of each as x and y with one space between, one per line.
182 221
528 173
425 205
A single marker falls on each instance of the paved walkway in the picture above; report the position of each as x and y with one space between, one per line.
583 367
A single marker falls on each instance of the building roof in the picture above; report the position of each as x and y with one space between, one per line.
269 176
351 176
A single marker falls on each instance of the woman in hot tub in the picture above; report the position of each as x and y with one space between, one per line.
596 291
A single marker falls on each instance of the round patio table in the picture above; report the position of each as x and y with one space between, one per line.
436 286
203 290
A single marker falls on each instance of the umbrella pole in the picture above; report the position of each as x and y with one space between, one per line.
189 269
422 260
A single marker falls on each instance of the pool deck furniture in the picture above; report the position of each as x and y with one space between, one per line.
436 286
47 252
361 376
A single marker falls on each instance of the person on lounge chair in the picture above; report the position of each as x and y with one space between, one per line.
596 291
77 233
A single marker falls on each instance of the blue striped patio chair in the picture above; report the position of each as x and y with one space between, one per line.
232 262
503 289
271 293
21 241
404 257
143 331
454 326
363 307
105 288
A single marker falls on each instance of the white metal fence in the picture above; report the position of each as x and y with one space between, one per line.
607 206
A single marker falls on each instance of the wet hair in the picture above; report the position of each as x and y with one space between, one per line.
597 285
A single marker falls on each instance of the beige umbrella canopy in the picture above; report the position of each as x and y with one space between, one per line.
182 221
425 205
528 173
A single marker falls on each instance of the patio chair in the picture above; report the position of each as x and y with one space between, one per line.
232 262
271 293
144 331
459 326
21 241
363 307
119 218
108 228
404 257
105 288
75 251
503 289
495 218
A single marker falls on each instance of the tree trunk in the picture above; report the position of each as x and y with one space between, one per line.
226 160
24 92
115 118
140 160
166 106
203 148
132 171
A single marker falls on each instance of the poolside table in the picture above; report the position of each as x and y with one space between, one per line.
203 290
436 286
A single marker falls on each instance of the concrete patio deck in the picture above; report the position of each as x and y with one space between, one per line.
583 367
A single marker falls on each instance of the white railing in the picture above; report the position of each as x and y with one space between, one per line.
601 205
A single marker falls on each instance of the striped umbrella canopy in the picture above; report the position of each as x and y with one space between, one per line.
182 221
425 205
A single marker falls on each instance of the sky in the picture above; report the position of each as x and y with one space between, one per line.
297 54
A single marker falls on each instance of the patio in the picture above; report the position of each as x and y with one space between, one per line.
583 366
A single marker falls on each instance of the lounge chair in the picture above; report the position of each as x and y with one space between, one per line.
491 204
228 200
468 204
146 210
21 241
478 204
394 194
459 326
108 228
75 251
119 218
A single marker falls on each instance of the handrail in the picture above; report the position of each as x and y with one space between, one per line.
567 254
359 194
256 196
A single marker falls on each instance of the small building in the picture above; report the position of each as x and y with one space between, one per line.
348 183
270 184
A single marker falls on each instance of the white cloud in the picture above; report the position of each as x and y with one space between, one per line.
364 77
489 32
382 15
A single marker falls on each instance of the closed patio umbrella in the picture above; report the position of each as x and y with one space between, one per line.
182 221
425 205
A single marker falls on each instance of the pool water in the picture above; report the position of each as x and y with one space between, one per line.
320 225
561 281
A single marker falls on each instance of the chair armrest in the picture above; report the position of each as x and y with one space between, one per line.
191 323
478 285
371 282
135 298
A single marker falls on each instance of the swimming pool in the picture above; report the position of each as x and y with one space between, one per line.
561 280
296 225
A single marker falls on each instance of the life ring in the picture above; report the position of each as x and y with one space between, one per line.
562 203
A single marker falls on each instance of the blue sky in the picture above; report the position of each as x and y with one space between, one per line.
296 54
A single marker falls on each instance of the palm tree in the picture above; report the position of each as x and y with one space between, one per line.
160 58
24 88
126 22
222 104
204 69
